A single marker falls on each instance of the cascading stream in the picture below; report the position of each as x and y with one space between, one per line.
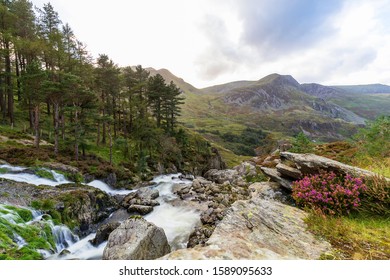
177 221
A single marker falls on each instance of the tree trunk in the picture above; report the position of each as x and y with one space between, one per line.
56 126
17 70
3 109
8 83
110 135
76 137
36 126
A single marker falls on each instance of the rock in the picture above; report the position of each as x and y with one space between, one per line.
246 169
83 205
139 209
277 177
221 176
135 201
288 171
313 164
61 167
258 229
215 161
136 239
103 232
111 180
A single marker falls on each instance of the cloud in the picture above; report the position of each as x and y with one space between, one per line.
257 32
281 26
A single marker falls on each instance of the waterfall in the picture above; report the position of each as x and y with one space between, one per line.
177 221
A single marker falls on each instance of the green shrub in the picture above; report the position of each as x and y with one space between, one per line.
376 198
302 144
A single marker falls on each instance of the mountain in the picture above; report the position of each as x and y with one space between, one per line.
169 77
276 107
365 89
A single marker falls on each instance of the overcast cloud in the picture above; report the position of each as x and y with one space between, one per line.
208 42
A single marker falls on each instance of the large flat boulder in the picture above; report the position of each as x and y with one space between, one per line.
259 228
136 239
313 164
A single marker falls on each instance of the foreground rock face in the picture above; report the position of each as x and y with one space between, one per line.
259 228
81 205
136 239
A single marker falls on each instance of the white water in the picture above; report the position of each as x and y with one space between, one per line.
177 221
32 178
106 188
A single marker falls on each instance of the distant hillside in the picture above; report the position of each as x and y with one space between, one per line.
168 77
365 89
279 106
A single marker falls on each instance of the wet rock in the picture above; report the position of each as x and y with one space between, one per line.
142 201
111 180
85 206
103 232
136 239
139 209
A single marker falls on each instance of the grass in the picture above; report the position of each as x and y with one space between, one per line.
355 237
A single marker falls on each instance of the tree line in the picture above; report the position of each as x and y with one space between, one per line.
48 78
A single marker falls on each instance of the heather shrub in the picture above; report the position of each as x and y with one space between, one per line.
329 193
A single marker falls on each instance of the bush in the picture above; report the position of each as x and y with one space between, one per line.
376 198
302 144
328 193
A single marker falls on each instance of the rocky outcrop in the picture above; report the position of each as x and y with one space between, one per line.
294 166
312 164
230 176
136 239
79 206
259 228
212 197
141 202
215 161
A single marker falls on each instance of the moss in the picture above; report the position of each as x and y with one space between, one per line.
44 173
3 170
35 237
23 213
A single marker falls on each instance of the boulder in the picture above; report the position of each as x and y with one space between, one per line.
258 229
215 161
81 205
221 176
312 164
136 239
103 232
288 171
140 209
246 169
142 201
277 177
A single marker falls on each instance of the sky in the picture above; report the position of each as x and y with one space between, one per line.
209 42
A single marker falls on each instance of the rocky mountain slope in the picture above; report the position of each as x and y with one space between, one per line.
279 105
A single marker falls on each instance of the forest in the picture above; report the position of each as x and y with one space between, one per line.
51 87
